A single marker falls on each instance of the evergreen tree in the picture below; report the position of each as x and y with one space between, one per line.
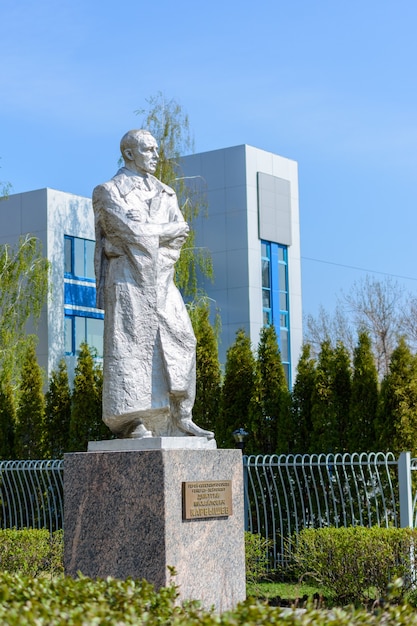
270 424
208 375
86 409
7 420
324 433
342 389
364 398
237 390
302 398
31 409
331 400
397 411
58 413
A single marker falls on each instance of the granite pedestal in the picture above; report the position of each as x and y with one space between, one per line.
124 517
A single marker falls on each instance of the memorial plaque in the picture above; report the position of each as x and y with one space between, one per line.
205 499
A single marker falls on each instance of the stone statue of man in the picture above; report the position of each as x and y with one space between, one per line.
149 344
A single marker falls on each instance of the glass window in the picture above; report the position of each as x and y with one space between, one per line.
79 332
275 296
89 259
267 317
266 280
79 257
94 334
266 299
68 255
282 269
284 344
79 329
68 327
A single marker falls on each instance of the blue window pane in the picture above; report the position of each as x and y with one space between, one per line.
267 317
94 334
282 269
79 332
68 328
266 276
78 257
284 345
265 249
266 299
89 259
68 255
283 301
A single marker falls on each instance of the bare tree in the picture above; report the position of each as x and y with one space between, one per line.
378 307
331 327
409 322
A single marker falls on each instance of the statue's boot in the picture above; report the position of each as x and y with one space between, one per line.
188 426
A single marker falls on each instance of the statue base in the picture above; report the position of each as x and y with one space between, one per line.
153 443
135 513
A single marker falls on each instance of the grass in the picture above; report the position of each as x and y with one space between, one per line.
287 591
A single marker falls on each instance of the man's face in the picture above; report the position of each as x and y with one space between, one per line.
145 155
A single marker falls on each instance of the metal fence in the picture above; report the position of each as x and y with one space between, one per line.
283 494
286 493
31 494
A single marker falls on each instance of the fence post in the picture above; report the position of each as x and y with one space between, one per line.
245 491
404 483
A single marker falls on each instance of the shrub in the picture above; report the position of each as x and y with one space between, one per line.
355 562
256 556
31 552
26 601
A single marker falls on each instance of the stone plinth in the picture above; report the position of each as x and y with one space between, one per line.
124 517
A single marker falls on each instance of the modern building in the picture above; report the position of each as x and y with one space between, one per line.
64 223
251 231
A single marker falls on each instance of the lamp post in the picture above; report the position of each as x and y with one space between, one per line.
239 436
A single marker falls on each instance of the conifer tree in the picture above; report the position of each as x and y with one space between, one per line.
397 411
208 374
364 398
302 398
57 413
331 400
237 390
7 420
324 433
86 408
270 418
30 417
342 388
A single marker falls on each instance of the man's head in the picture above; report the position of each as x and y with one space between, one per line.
140 151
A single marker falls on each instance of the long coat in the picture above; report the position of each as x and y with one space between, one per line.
149 344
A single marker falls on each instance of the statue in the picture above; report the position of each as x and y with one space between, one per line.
149 343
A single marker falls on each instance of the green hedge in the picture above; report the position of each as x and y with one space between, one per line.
26 601
31 552
356 562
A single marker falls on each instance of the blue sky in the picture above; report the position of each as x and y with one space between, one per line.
330 84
